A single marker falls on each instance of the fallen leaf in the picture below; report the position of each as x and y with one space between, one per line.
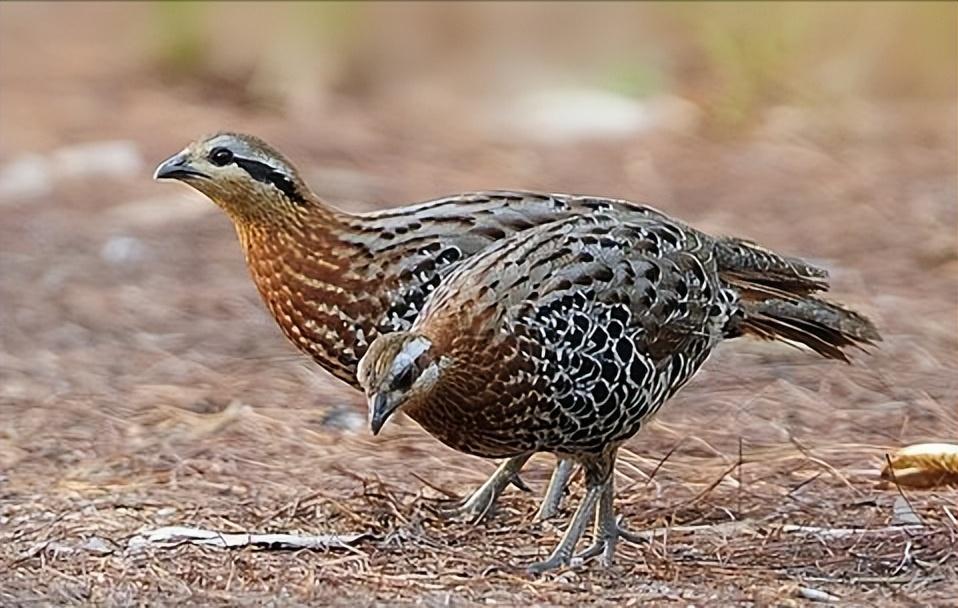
923 465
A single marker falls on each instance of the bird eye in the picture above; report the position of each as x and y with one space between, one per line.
405 378
221 156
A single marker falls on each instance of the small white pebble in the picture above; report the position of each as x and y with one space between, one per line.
122 250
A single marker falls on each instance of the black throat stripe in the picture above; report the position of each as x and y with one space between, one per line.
262 172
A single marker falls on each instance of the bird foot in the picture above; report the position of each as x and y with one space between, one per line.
604 545
554 562
472 510
605 542
477 505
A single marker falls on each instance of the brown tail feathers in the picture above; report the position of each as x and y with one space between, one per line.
764 272
777 301
822 326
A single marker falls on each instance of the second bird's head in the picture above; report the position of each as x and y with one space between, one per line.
397 370
242 174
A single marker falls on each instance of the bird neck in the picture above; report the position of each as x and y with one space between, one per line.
308 269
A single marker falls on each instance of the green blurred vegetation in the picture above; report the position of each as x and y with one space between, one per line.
750 57
760 54
180 41
733 59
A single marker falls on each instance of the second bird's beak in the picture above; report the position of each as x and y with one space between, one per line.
381 407
177 167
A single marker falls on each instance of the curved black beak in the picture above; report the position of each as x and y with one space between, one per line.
380 409
177 167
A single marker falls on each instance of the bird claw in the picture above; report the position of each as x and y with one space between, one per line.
473 508
630 537
553 563
478 504
517 482
604 547
605 543
592 550
466 511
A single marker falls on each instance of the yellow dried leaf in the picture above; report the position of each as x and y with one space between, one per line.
923 465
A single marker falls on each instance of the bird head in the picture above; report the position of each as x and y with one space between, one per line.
242 174
398 368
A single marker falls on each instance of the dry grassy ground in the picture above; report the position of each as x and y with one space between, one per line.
144 386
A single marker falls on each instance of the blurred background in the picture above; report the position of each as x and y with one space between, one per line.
517 70
134 349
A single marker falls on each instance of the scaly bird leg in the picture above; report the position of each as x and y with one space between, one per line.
478 504
598 481
607 530
557 485
580 520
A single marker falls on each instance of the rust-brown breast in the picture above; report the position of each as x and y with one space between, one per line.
334 281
